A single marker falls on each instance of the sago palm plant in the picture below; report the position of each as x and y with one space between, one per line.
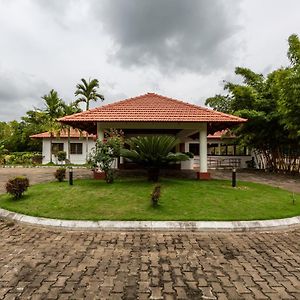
153 152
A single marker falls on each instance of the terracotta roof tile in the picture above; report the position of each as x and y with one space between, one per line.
75 133
151 107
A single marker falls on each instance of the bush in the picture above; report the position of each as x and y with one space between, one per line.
61 156
17 186
189 154
37 158
23 158
60 174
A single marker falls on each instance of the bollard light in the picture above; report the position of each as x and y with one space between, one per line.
70 176
233 177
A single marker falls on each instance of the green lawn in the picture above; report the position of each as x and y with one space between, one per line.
130 200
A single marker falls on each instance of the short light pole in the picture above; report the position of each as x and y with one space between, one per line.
233 182
70 176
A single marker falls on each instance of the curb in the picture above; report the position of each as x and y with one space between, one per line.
238 226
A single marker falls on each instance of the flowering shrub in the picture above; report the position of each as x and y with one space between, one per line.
105 152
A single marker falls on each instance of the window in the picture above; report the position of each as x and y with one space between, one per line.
212 149
230 150
76 148
56 147
194 148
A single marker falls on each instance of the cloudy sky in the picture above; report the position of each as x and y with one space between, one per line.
181 49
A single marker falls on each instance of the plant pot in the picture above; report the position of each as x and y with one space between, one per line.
99 175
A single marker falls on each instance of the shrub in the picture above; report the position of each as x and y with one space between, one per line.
22 158
17 186
189 154
37 158
60 174
105 152
61 156
155 195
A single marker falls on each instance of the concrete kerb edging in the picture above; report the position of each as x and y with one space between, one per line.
154 225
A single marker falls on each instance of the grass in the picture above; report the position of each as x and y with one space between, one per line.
130 200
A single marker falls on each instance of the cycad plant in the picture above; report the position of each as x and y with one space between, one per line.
153 153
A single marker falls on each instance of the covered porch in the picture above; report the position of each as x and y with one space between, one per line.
153 114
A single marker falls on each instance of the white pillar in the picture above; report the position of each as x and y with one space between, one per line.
100 132
203 147
186 147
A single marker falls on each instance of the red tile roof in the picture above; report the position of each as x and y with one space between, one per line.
151 108
75 133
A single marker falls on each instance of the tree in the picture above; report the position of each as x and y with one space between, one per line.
271 105
34 122
87 91
288 85
153 152
53 110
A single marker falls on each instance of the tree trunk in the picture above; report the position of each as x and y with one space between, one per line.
87 147
69 144
87 137
153 174
50 147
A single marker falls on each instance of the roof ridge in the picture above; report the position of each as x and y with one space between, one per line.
195 105
119 106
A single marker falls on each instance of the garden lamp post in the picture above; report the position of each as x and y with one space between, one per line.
70 176
233 182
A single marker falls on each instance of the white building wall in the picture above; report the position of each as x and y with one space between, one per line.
74 158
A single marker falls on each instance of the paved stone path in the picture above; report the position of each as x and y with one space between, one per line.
39 263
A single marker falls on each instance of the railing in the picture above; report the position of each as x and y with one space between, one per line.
220 163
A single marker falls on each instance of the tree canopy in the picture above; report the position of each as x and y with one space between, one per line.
271 103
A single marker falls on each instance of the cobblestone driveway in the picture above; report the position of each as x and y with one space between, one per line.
38 263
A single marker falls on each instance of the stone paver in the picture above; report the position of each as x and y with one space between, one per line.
38 263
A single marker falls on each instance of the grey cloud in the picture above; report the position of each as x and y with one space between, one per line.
19 92
171 34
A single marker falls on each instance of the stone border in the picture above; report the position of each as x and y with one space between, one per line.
154 225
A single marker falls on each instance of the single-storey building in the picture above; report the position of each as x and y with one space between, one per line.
222 150
153 114
60 143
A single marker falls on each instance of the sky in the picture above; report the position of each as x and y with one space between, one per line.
181 49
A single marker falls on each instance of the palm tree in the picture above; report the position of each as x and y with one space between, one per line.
87 91
153 152
53 110
69 109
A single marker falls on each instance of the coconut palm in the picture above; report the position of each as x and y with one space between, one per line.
153 152
53 110
69 109
87 91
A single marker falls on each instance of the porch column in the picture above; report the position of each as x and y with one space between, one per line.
203 174
100 132
98 173
186 147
